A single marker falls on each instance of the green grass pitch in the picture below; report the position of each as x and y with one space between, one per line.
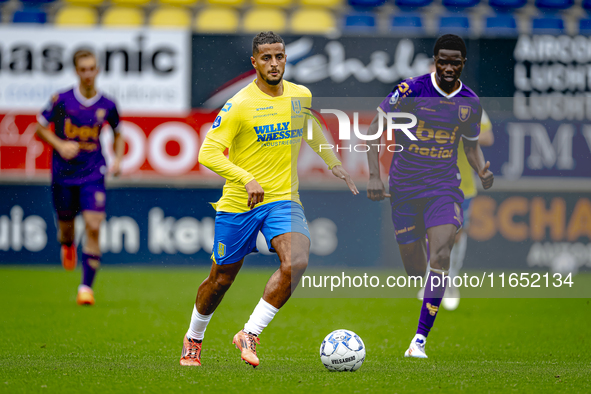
131 340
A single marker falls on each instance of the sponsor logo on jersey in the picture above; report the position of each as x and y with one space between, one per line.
464 112
276 131
265 108
217 122
227 107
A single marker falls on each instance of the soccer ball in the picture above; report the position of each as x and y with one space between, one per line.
342 350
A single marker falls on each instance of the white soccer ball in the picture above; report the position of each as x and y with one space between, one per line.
342 350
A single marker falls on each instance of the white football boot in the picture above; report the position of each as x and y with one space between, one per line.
417 347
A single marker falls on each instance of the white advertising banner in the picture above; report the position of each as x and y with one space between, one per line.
144 71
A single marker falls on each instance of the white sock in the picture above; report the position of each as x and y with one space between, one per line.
198 325
456 259
260 318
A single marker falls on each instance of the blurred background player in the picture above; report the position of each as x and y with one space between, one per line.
260 194
78 165
451 300
424 179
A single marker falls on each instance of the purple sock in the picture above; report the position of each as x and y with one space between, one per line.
90 264
431 301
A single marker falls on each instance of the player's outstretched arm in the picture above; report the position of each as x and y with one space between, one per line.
476 160
375 186
318 143
341 173
66 149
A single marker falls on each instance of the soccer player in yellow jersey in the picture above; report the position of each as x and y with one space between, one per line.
262 126
451 300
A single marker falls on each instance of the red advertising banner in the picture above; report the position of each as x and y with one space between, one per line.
159 148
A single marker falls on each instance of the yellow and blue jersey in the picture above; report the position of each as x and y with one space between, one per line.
263 135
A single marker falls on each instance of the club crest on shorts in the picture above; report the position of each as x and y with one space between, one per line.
464 112
100 198
221 249
296 106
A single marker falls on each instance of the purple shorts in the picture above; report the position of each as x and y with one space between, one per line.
71 200
412 218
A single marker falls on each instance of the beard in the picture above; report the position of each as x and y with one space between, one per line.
274 82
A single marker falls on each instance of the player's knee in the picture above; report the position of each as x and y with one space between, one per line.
295 265
222 282
440 260
415 270
92 229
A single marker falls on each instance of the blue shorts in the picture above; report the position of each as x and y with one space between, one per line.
236 233
412 218
69 201
466 208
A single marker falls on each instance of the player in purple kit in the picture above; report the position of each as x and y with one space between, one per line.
424 177
78 165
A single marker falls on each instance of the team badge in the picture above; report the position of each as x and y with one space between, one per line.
100 198
221 249
100 115
464 112
217 122
296 106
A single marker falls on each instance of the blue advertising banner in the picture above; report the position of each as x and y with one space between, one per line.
176 226
546 148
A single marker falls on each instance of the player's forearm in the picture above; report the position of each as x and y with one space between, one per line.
211 155
474 155
373 156
320 145
118 146
48 136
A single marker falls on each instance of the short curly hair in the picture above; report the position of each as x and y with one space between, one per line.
450 41
265 37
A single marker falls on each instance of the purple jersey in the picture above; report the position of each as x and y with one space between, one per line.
428 167
77 118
